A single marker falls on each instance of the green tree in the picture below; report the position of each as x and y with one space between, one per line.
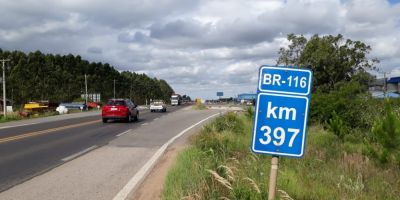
331 58
291 55
60 78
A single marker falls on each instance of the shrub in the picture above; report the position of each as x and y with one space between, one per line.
337 126
249 113
386 136
228 122
350 102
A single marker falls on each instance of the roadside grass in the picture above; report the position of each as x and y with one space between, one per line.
11 117
220 165
199 107
15 116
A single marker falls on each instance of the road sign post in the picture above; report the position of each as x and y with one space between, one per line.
273 177
283 98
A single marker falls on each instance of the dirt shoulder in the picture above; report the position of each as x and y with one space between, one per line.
152 187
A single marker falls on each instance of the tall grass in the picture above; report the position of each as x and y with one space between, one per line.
220 165
199 107
15 116
10 117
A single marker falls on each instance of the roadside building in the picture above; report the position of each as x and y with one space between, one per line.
8 104
385 89
246 98
393 84
377 85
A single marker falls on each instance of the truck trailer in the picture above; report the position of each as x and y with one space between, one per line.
176 100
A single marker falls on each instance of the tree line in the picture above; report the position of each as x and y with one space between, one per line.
61 78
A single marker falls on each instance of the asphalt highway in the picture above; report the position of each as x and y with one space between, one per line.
30 150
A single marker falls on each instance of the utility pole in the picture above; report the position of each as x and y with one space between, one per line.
86 94
114 88
4 87
384 85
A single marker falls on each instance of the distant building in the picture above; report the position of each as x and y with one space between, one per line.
377 85
8 103
390 89
393 84
246 98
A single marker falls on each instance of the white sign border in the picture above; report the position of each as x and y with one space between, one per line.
289 69
304 126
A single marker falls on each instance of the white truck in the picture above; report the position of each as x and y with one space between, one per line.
176 100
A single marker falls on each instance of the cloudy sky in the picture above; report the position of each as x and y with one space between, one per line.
199 47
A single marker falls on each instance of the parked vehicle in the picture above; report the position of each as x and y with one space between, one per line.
158 105
62 110
120 109
39 107
92 105
74 105
176 99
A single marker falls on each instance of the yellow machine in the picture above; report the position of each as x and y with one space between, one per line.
35 107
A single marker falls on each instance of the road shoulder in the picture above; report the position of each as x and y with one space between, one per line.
152 186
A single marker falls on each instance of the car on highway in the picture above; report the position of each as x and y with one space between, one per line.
120 109
158 105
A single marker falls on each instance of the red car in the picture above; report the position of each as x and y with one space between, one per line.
120 109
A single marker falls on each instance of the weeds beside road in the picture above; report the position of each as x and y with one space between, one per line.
220 165
17 116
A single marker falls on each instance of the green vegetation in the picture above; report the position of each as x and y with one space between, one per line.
331 58
60 78
385 138
11 117
220 165
199 107
353 143
15 116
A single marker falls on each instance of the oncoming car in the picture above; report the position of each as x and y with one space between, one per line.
120 109
158 105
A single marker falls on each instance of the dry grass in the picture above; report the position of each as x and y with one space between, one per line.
284 195
220 179
253 184
229 172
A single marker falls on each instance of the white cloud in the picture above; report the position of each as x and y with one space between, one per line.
200 47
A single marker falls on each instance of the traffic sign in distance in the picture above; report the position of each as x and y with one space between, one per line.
280 123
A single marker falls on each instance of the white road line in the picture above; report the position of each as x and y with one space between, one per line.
125 132
155 119
144 124
18 125
123 194
78 154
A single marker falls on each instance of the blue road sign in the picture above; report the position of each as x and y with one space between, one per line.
220 94
285 80
282 111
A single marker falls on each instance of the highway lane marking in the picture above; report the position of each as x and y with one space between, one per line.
19 125
144 124
123 193
156 119
123 133
79 153
36 133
